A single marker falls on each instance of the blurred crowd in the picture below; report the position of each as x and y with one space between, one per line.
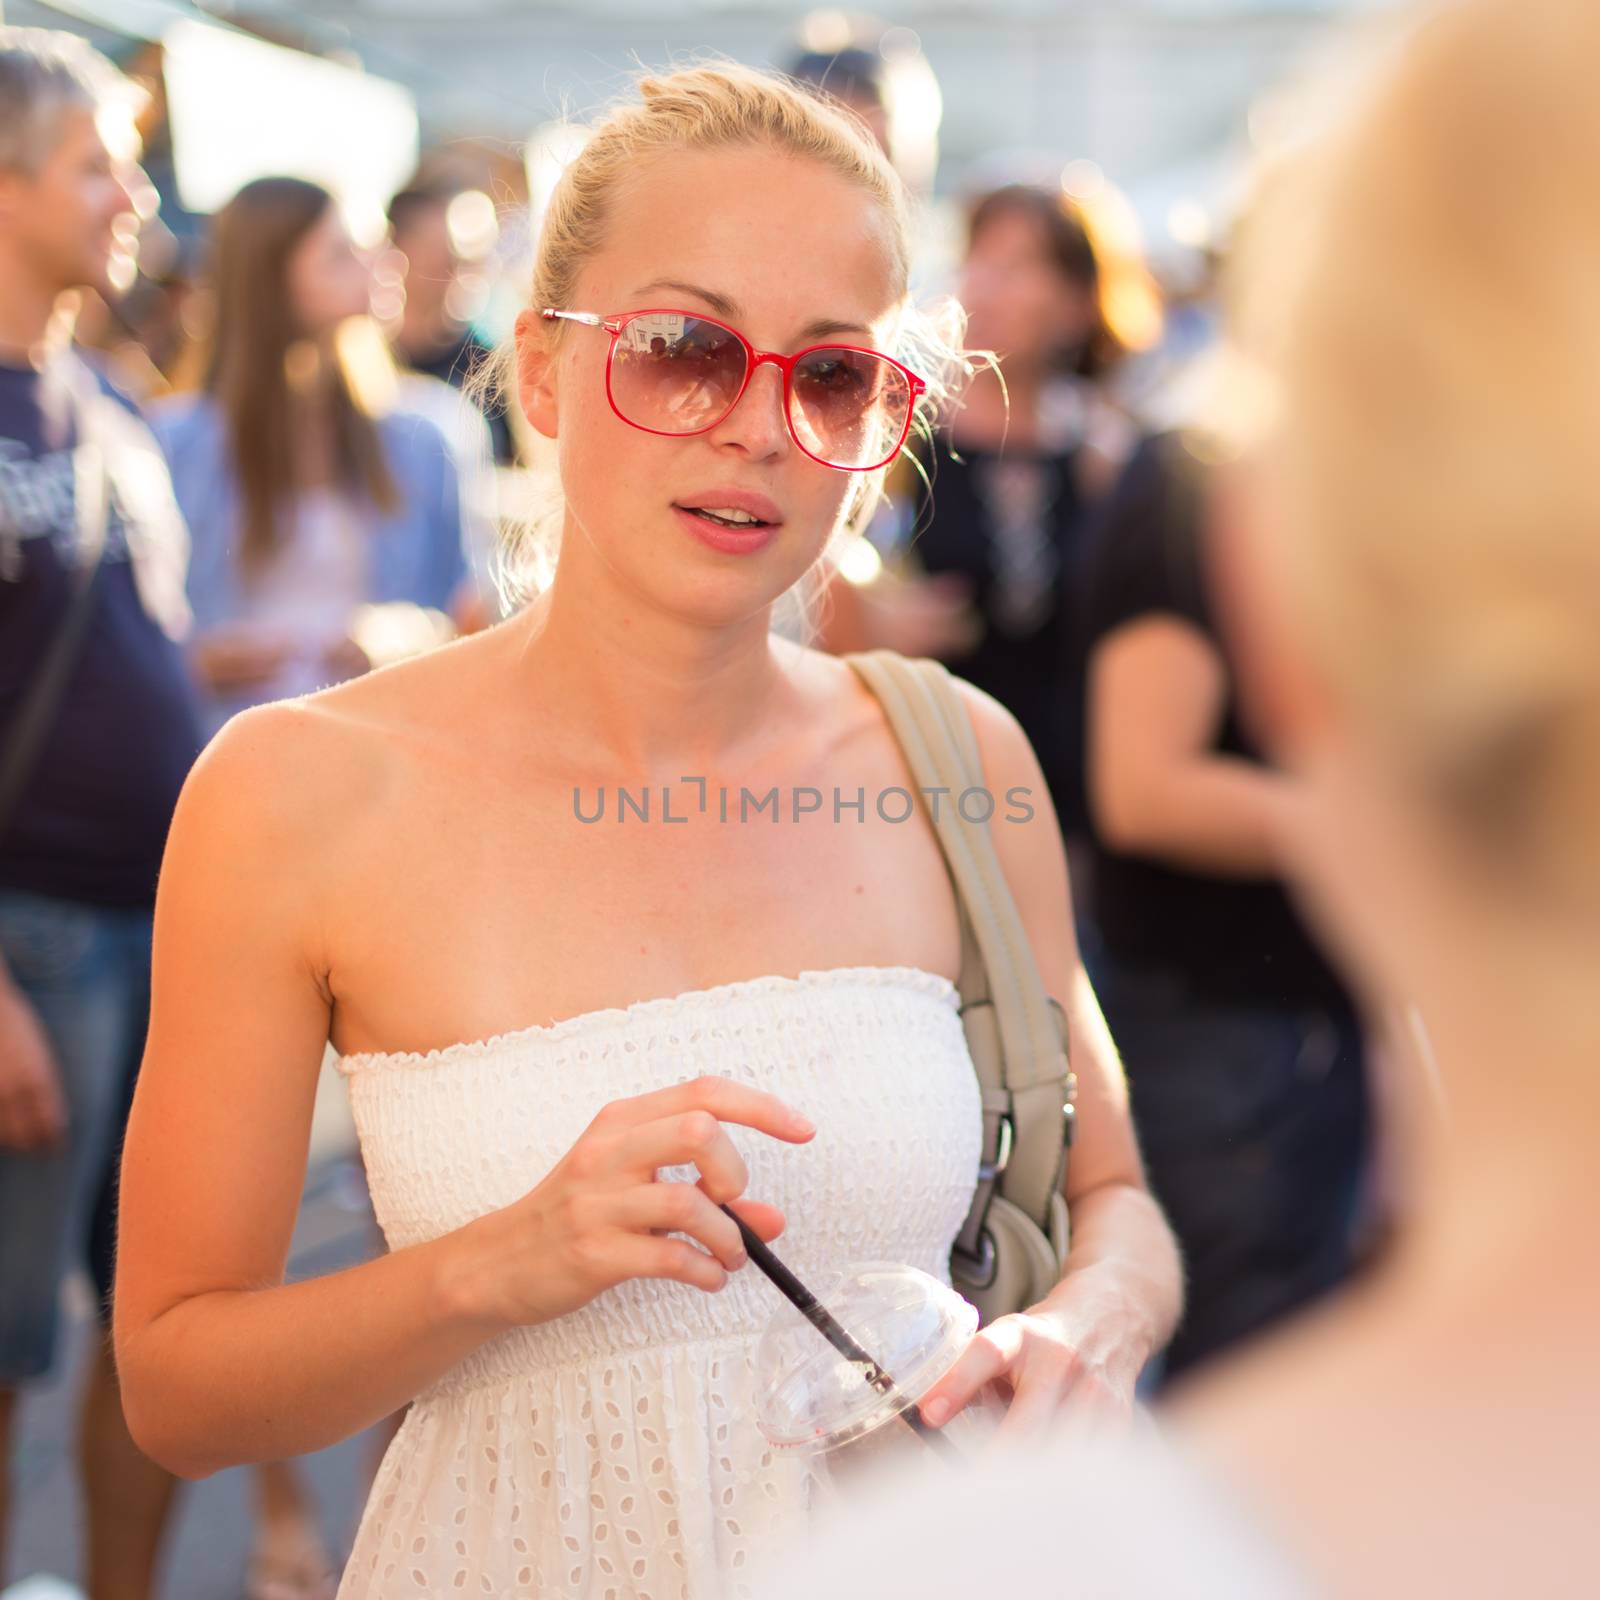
322 470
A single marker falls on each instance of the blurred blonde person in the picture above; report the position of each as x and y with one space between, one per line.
1412 567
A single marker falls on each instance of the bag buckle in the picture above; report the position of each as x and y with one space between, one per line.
988 1171
979 1269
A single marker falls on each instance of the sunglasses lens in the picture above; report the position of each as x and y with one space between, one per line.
849 407
675 374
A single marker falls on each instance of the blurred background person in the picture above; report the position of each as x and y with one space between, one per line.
444 229
441 234
1242 1050
138 338
877 71
306 502
97 730
1012 479
1409 565
131 336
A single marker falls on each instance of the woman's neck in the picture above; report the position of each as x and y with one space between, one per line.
651 697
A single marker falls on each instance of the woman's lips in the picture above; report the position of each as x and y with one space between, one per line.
730 497
725 537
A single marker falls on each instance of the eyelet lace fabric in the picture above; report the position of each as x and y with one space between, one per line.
613 1454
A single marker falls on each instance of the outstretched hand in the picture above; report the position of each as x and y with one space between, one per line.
1080 1353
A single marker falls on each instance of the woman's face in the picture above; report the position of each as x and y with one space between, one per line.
329 279
782 250
1017 299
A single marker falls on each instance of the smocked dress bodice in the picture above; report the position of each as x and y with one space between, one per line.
613 1453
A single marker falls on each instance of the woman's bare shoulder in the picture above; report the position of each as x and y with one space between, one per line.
1002 745
1008 756
297 774
1011 769
418 697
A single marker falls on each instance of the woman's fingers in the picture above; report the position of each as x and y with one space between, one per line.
683 1126
685 1208
622 1221
688 1138
767 1222
681 1208
724 1099
991 1352
641 1255
1035 1402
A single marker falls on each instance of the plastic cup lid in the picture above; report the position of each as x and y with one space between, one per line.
810 1398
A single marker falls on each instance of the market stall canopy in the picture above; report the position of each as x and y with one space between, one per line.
241 108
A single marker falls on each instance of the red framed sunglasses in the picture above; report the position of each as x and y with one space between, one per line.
677 373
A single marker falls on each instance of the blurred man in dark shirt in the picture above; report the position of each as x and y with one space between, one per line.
97 732
434 336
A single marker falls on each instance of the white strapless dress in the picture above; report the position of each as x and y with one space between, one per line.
613 1454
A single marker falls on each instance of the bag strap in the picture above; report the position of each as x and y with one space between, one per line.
91 491
1026 1082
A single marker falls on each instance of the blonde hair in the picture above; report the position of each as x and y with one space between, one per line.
1419 291
710 107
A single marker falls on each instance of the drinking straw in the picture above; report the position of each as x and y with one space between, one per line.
820 1318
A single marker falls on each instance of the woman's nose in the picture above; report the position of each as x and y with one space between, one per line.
756 425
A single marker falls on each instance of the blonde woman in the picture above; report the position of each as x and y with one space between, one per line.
539 1015
1413 569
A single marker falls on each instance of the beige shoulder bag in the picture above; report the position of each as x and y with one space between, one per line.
1013 1245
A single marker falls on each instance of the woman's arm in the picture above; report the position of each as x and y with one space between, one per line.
1120 1297
1157 787
218 1364
220 1361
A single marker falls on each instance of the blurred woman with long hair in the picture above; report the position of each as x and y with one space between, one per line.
306 496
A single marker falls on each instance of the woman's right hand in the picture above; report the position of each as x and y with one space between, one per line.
602 1216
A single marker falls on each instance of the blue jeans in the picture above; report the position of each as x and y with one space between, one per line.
1254 1125
86 971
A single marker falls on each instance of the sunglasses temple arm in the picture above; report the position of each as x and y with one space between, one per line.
590 319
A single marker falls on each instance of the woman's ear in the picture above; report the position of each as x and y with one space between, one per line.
536 374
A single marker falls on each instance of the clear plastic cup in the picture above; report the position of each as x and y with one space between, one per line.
812 1400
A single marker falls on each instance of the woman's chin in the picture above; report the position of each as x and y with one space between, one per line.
730 597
